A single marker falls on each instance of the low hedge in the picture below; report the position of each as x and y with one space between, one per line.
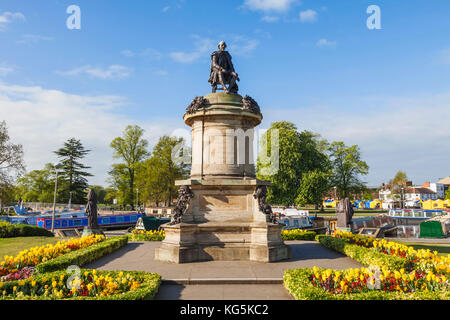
365 256
8 230
290 235
150 283
83 256
298 283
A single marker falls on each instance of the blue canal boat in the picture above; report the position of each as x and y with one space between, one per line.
75 220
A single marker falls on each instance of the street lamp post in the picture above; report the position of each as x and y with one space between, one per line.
137 198
335 193
57 167
403 198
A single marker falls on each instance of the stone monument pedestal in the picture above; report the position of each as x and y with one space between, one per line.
224 219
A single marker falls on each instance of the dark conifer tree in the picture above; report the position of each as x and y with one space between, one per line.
74 174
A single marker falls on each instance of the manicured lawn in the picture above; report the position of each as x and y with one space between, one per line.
12 246
441 249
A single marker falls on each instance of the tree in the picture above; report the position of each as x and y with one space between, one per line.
101 193
132 149
367 196
347 168
73 172
38 186
447 194
156 176
11 164
119 185
313 187
298 153
398 183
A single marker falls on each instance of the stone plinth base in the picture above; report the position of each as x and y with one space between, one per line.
223 242
88 232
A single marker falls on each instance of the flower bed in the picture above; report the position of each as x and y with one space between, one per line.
83 256
34 256
396 272
298 234
142 235
301 285
423 260
8 230
365 256
88 285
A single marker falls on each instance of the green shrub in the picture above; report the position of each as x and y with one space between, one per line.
299 285
150 283
8 230
83 256
365 256
298 234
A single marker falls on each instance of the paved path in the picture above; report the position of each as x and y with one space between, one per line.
139 256
223 292
218 280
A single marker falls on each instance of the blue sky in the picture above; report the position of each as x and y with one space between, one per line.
314 63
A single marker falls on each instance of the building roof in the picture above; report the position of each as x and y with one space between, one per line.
420 191
445 181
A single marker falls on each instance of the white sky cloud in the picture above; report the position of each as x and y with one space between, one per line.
269 5
5 70
308 16
113 72
42 120
8 17
203 46
149 52
237 44
325 43
270 19
33 38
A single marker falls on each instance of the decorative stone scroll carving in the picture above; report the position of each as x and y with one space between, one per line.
196 104
184 199
251 105
261 195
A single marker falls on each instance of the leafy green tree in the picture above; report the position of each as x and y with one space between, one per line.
398 182
101 193
156 176
11 164
367 196
119 185
347 168
132 149
110 195
447 194
38 186
298 153
313 187
73 173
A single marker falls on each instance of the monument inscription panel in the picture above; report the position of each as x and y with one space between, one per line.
222 202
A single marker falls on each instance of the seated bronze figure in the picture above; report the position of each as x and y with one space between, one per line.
222 71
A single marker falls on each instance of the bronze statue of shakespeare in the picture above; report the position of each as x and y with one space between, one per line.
222 71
